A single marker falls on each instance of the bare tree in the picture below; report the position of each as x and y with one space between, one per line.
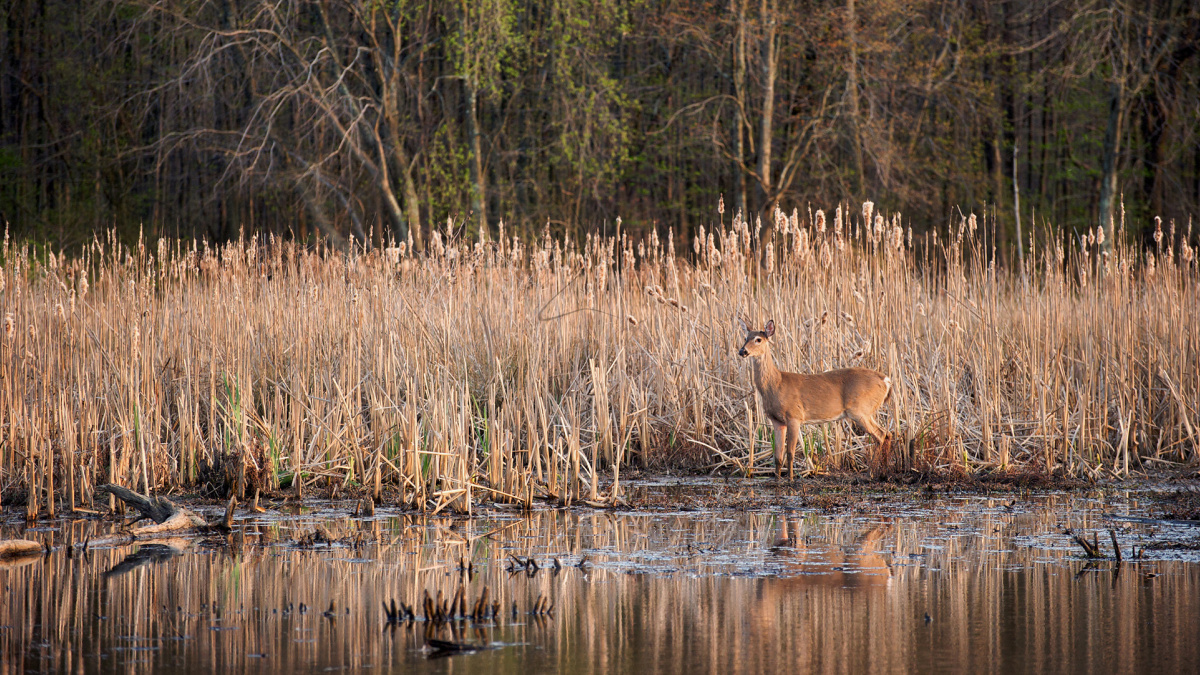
327 99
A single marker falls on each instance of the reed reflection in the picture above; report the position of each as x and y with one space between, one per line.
970 586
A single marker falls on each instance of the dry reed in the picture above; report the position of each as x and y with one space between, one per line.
516 370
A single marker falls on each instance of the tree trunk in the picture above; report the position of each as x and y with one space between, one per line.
770 70
739 121
852 88
1108 162
478 195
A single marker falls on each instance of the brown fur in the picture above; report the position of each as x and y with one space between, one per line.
792 399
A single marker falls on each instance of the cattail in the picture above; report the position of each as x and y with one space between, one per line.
1100 236
1158 230
632 321
921 309
824 317
837 221
770 258
847 318
868 208
721 205
856 355
8 327
52 260
821 221
2 279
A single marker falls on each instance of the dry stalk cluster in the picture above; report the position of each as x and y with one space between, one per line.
516 370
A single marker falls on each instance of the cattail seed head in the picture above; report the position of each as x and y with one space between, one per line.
721 205
9 329
632 321
820 221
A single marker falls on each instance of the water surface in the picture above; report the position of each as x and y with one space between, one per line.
720 577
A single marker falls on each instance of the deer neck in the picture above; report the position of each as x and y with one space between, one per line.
766 375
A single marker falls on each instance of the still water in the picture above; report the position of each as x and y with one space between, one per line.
701 578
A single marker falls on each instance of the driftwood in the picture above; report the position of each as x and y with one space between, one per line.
166 515
19 548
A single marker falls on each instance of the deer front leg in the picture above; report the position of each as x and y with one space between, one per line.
779 439
793 436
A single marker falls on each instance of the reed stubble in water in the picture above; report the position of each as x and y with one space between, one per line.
519 370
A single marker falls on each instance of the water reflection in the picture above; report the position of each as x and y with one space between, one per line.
969 584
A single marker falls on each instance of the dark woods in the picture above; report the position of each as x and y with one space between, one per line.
358 119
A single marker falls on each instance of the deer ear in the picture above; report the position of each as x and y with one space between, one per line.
742 323
770 329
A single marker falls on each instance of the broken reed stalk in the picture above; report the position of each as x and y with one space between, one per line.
261 362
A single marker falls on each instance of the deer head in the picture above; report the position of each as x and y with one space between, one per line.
756 340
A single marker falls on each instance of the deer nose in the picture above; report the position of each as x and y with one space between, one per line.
742 352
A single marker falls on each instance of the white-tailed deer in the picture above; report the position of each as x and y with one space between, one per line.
792 399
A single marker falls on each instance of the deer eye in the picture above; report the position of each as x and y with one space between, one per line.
757 340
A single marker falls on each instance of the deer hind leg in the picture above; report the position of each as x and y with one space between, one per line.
793 436
867 422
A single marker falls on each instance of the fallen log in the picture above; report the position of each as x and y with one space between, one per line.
17 548
167 516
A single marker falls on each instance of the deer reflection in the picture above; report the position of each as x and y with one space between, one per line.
858 565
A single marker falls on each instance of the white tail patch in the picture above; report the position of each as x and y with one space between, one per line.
887 382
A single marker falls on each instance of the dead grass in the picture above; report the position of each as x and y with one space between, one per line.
518 370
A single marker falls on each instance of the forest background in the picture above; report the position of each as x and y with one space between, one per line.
356 119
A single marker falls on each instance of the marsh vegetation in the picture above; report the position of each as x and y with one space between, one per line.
519 370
